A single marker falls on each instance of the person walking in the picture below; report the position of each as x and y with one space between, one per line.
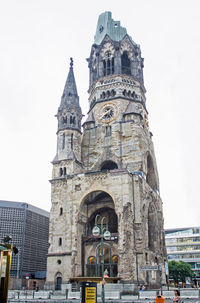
177 298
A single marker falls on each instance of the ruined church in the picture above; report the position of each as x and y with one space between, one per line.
106 166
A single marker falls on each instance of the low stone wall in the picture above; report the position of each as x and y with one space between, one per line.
28 294
112 292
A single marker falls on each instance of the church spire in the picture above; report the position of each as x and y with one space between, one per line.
69 112
70 89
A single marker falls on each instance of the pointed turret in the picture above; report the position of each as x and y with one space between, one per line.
69 121
69 112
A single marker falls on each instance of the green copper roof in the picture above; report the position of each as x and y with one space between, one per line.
106 25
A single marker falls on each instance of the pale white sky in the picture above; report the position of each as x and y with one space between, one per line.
37 37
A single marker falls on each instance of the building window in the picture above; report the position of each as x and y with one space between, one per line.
65 171
61 211
59 262
108 131
103 95
61 171
113 92
71 141
126 64
64 118
60 241
63 141
108 64
72 120
91 267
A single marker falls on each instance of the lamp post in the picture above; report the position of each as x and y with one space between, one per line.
160 272
96 231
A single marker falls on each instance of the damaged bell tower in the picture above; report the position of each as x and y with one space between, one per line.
107 168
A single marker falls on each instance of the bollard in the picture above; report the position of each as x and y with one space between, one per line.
160 299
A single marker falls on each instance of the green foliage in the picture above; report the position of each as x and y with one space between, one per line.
179 271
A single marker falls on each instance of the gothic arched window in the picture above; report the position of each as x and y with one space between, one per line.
126 64
108 64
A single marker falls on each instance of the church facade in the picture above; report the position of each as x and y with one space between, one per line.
107 168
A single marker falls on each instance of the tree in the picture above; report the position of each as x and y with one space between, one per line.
178 271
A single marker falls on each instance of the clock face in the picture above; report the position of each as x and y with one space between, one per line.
108 112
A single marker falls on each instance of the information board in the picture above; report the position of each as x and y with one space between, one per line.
90 295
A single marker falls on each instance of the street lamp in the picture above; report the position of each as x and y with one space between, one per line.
96 231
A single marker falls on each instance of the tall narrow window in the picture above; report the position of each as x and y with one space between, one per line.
126 64
108 131
64 171
61 211
61 171
64 118
71 141
108 64
112 66
60 241
63 141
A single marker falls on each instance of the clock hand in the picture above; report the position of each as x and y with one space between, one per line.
105 113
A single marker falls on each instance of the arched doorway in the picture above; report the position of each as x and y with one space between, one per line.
58 281
99 203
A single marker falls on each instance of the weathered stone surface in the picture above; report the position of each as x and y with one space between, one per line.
110 170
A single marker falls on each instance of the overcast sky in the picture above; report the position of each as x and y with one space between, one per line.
37 38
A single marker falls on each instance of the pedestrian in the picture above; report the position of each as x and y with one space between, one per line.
143 287
177 298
